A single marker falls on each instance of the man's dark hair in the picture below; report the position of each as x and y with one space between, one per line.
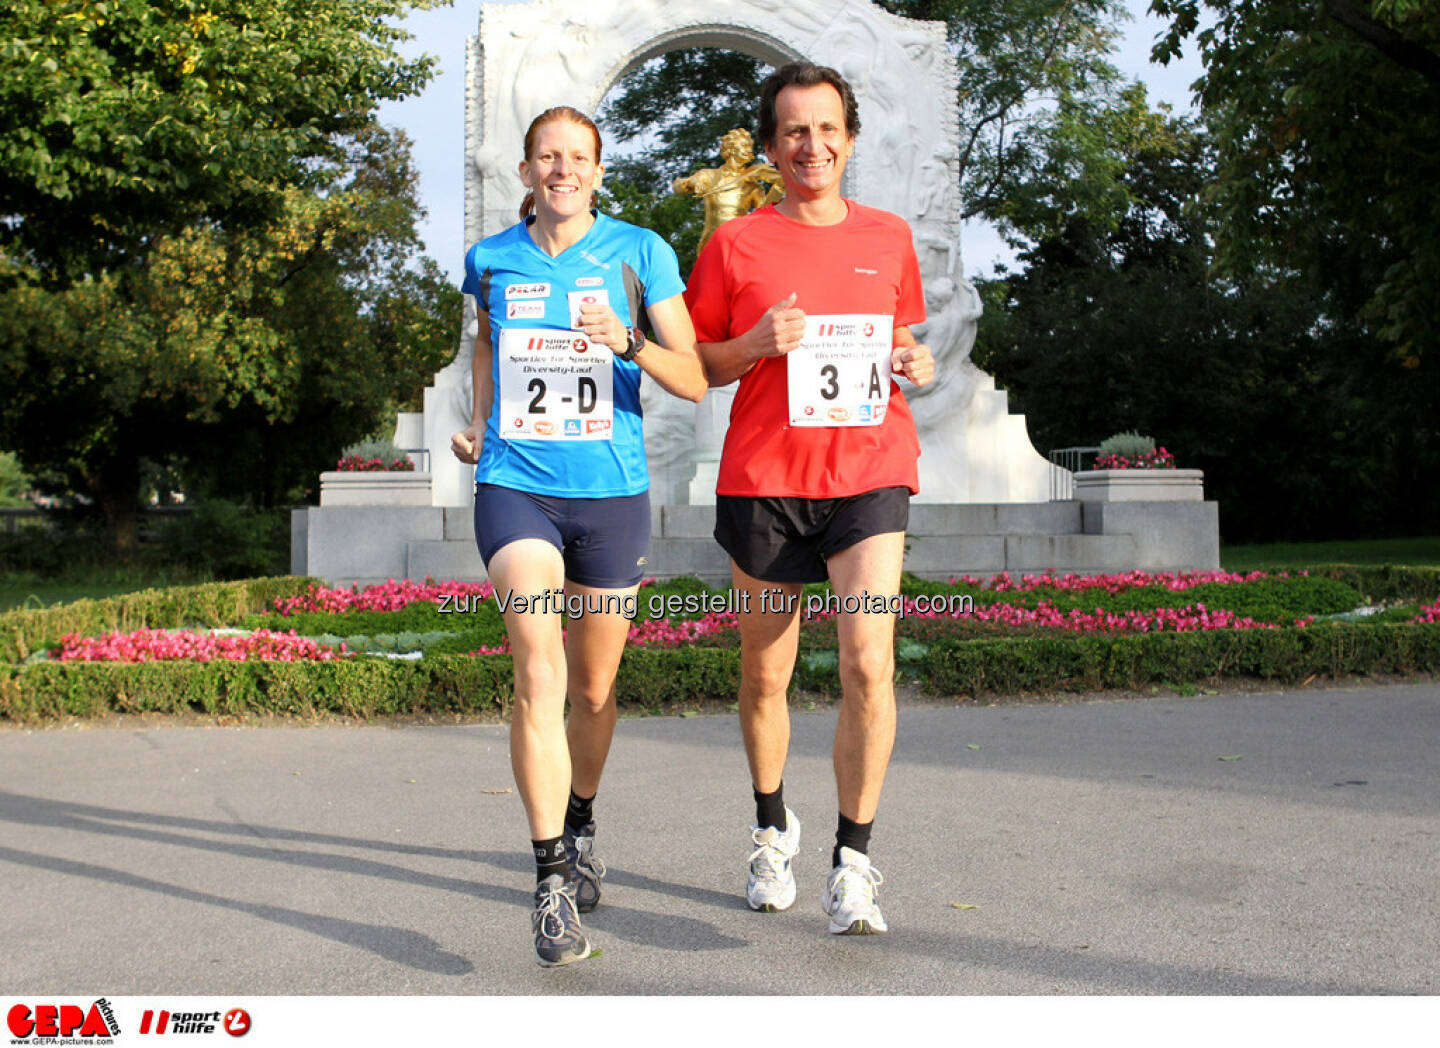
803 74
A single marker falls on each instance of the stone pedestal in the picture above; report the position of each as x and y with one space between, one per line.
1140 485
380 488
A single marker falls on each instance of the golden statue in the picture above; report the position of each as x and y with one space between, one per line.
733 188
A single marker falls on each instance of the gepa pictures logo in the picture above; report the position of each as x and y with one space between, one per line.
27 1022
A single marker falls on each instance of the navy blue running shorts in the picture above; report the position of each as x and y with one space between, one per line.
784 539
605 542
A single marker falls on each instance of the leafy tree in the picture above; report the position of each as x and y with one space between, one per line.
680 105
1035 82
13 481
1327 121
201 235
1298 425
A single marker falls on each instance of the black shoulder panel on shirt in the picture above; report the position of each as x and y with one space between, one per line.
635 296
484 300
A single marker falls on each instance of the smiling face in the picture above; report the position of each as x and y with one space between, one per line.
562 169
811 143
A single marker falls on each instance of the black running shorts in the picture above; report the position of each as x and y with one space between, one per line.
789 539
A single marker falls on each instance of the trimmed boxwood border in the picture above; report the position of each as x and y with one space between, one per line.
665 678
1097 662
25 631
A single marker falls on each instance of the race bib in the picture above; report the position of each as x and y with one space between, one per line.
840 373
555 385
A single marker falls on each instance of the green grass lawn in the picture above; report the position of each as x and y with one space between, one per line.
1418 552
27 590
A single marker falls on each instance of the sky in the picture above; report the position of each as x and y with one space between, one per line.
435 122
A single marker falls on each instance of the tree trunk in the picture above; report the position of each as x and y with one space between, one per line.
115 487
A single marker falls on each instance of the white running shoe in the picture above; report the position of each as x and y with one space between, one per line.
772 885
849 896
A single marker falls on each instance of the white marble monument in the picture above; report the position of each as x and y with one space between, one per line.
530 56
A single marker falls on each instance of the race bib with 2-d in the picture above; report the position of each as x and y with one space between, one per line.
555 385
840 373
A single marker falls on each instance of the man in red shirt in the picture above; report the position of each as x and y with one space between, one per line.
809 303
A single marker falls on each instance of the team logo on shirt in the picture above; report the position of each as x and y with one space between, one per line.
527 291
589 281
525 310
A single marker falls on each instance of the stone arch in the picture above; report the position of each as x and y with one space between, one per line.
547 52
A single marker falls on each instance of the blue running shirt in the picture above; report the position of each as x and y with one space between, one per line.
520 287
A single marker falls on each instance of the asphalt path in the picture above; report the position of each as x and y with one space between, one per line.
1244 843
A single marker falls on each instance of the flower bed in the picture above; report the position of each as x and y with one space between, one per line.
177 645
356 464
962 637
1156 458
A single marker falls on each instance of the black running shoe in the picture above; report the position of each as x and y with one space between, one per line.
585 869
559 939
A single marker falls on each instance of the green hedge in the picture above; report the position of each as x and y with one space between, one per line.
362 687
210 604
660 678
1095 662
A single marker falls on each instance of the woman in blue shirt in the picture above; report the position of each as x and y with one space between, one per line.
562 513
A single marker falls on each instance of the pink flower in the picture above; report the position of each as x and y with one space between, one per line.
168 646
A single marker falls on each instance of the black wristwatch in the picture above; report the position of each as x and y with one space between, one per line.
634 343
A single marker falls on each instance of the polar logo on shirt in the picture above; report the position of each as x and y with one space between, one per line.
513 291
525 309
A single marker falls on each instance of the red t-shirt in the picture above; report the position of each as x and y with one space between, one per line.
865 264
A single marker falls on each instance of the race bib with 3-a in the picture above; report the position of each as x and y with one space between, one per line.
555 385
840 373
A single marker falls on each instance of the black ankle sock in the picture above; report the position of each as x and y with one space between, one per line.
852 835
770 808
550 859
579 812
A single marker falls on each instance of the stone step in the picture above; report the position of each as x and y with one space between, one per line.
347 545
